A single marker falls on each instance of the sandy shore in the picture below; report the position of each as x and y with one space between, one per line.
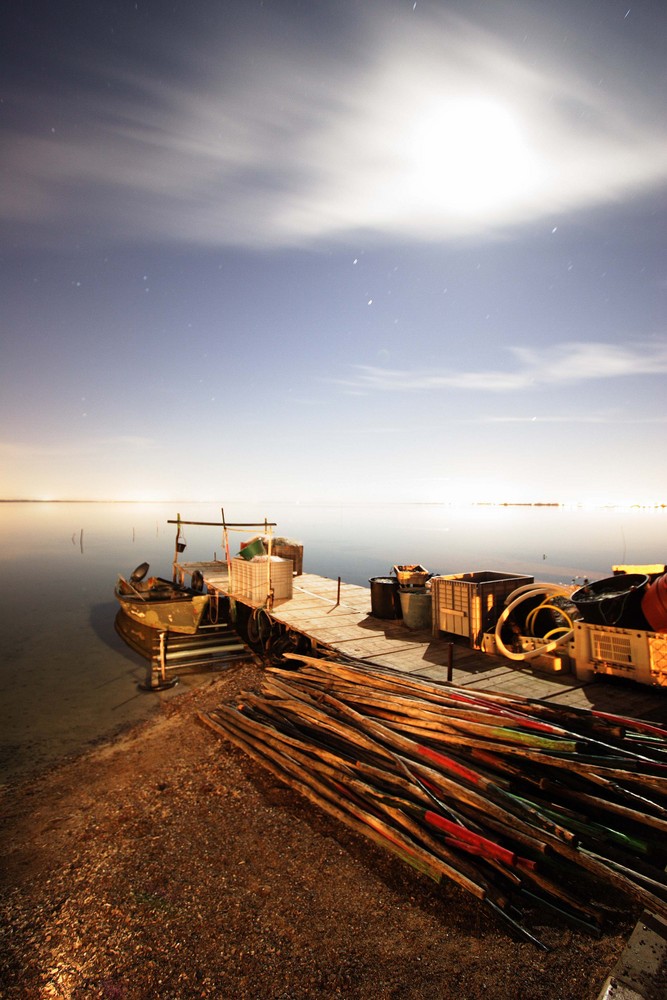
167 864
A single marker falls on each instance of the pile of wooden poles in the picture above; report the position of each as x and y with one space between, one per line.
523 803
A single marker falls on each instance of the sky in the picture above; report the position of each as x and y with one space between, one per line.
334 251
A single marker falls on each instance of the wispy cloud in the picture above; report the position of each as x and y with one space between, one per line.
569 418
14 451
562 364
423 128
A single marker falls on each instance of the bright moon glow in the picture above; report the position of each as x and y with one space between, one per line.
496 173
468 155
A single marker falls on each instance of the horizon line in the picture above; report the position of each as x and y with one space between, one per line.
357 503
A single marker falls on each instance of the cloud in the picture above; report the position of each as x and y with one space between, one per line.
569 418
562 364
422 129
14 451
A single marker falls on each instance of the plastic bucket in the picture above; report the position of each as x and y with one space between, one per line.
615 601
255 547
416 607
385 602
654 604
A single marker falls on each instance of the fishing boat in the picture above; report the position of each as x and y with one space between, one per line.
160 604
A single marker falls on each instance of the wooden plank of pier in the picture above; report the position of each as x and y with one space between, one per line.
338 617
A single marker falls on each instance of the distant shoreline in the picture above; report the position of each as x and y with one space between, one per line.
371 503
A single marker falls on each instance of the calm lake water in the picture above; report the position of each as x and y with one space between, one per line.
67 680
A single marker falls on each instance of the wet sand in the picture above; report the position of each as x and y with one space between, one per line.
165 863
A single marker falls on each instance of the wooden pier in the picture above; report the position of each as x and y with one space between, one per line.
336 617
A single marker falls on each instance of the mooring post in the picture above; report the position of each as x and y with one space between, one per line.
178 535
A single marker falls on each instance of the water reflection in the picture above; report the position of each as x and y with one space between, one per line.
68 679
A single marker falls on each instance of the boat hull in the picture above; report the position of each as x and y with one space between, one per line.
181 614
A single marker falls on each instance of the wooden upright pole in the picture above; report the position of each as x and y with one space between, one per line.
178 534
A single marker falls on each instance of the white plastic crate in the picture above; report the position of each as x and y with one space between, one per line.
559 661
622 652
251 579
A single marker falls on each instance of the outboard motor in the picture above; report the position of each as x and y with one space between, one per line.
139 573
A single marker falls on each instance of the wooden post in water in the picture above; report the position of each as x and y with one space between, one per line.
178 535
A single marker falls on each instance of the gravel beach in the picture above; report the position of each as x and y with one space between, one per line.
165 863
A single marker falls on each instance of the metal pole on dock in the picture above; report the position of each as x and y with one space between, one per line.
225 538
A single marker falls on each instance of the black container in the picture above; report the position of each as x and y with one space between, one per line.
385 598
615 601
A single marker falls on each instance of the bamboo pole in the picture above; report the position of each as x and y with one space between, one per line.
490 791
